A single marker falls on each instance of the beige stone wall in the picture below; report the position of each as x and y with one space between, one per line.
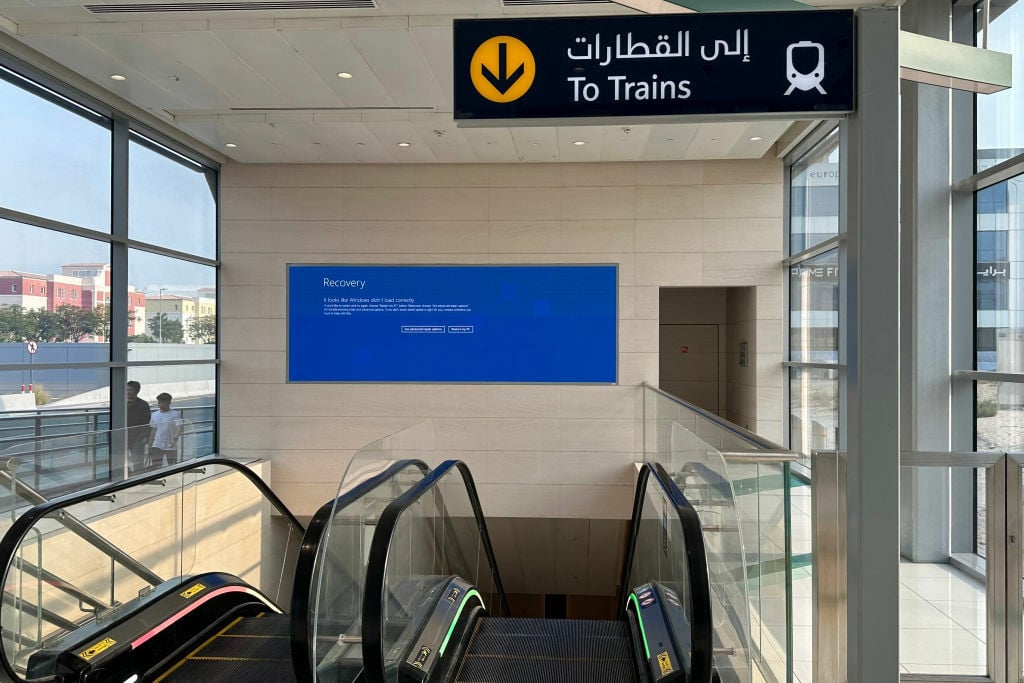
535 451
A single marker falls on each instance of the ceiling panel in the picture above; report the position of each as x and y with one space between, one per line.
590 136
435 43
445 140
268 54
714 140
159 65
206 72
329 52
398 63
669 141
98 65
492 144
535 143
204 54
624 143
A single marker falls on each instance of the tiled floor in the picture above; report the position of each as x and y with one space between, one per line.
942 612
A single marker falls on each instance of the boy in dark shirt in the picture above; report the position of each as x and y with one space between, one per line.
138 427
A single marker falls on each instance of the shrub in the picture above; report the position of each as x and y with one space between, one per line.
988 408
42 395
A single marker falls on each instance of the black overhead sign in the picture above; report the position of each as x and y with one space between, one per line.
654 65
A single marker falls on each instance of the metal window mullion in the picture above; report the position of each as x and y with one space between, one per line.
1014 571
147 136
812 140
34 221
118 299
172 253
984 375
1000 173
817 250
995 570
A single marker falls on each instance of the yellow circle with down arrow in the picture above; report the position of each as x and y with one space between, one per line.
502 69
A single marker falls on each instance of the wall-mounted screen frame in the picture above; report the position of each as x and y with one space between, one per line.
524 324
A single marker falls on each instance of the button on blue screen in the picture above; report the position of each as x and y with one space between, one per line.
531 324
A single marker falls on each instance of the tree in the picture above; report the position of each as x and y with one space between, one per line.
203 329
166 330
45 325
16 324
75 324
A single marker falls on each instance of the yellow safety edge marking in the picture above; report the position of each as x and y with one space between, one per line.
193 591
96 649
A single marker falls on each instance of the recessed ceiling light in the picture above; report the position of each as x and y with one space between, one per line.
344 74
756 138
405 144
231 145
579 143
118 77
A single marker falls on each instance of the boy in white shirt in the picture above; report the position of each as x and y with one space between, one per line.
165 427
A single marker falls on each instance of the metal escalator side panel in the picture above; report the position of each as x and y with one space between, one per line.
429 647
146 630
663 630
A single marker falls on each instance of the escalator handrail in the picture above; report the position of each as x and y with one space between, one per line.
376 568
309 552
696 559
12 540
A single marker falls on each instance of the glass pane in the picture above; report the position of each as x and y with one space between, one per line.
999 134
434 539
705 480
56 162
46 298
813 409
172 308
814 309
999 295
172 201
111 552
814 196
193 402
943 614
339 577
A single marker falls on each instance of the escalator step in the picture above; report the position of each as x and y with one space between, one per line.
249 649
206 670
541 650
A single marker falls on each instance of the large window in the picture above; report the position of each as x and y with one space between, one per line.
813 282
71 334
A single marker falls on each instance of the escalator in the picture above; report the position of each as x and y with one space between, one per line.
456 628
197 572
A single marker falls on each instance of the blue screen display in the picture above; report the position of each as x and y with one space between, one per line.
531 324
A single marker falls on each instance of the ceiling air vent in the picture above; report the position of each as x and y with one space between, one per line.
259 5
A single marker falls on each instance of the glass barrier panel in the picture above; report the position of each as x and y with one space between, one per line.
762 493
339 577
229 526
86 562
943 600
76 545
413 443
435 538
60 465
701 474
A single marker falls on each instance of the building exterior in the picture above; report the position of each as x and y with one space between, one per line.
27 290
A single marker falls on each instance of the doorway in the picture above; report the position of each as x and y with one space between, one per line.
706 349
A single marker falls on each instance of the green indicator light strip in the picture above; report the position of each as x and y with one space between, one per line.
640 620
458 613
